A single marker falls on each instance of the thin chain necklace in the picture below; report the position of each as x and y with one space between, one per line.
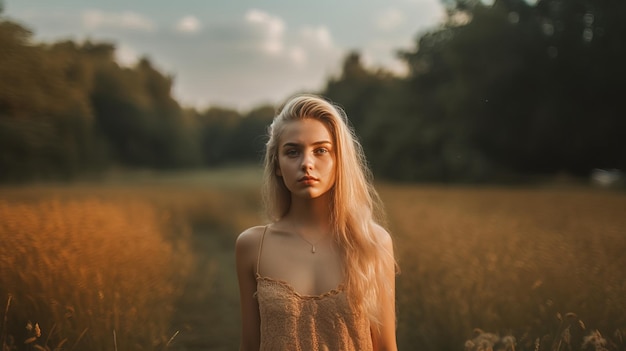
310 243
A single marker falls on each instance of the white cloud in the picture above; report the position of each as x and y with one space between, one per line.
306 47
238 56
390 19
188 24
271 28
298 56
379 53
318 46
398 67
318 36
430 12
97 19
126 55
231 62
395 29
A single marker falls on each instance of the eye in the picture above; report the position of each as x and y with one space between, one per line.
291 152
321 150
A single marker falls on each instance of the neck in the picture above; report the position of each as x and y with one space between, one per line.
312 213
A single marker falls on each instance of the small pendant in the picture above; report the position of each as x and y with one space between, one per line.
312 248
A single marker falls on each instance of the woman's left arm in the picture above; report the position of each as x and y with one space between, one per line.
384 337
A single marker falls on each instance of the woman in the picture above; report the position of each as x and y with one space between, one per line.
321 275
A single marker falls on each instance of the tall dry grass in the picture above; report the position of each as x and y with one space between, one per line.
84 270
482 269
509 261
103 230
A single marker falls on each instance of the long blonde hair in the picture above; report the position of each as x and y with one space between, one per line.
356 210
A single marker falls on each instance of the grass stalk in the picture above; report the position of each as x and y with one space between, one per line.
170 340
79 338
50 334
4 322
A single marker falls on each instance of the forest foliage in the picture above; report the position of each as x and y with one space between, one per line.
508 89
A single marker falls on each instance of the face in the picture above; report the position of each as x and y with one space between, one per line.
306 158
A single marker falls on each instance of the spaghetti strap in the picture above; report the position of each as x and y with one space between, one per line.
258 259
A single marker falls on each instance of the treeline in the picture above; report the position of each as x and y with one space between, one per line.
498 91
68 109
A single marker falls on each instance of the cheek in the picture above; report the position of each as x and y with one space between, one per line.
281 166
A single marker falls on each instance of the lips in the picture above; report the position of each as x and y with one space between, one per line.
307 178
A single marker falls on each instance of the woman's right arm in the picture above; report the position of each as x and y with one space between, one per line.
246 249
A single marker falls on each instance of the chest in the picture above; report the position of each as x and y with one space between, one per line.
306 272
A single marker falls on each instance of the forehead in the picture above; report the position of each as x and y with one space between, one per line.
305 131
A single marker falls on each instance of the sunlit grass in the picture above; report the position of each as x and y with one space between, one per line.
84 269
151 255
509 261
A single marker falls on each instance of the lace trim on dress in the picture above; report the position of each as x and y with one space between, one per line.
282 283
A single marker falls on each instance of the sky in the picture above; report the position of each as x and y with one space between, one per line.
237 53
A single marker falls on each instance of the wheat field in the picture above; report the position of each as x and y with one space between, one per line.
145 262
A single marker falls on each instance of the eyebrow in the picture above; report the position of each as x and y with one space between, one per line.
321 142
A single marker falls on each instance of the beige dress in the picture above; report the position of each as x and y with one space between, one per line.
294 322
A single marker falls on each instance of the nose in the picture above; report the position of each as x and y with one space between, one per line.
307 162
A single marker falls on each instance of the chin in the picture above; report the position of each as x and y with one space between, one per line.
309 195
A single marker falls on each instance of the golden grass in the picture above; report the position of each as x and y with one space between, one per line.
84 269
512 262
506 260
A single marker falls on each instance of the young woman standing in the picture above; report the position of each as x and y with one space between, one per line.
321 274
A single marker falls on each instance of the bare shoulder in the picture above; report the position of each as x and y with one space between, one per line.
248 241
250 237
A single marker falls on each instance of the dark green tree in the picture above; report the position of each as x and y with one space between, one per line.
137 115
216 128
527 89
45 119
251 134
355 86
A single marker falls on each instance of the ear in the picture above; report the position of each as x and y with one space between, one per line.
278 171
